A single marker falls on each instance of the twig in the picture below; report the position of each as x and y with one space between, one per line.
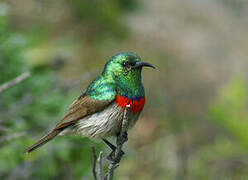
121 139
15 81
94 163
4 129
100 171
11 137
117 155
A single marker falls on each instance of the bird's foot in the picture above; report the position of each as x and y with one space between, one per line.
111 156
121 139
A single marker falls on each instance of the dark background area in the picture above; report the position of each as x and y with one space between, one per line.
195 123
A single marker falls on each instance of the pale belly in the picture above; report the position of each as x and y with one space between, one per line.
102 124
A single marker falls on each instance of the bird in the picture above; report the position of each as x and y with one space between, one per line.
99 111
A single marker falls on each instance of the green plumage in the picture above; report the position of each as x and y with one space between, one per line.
116 79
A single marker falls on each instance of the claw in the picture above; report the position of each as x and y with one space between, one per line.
112 154
125 137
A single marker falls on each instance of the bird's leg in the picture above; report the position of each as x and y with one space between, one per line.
112 147
123 139
109 144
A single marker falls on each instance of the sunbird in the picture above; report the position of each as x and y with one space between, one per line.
99 111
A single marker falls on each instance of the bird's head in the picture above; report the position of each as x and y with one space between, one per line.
125 67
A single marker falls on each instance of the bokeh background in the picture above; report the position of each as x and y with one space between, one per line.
195 123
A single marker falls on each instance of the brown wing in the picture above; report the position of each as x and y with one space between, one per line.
80 108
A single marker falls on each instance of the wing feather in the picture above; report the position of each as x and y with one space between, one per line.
85 105
80 108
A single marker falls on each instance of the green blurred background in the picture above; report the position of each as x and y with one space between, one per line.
195 123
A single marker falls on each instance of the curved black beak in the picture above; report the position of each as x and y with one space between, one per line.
141 64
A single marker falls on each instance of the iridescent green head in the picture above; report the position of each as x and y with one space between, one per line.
125 69
125 64
121 74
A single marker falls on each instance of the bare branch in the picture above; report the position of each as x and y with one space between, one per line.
121 139
15 81
98 161
11 137
94 163
118 153
4 129
125 121
100 171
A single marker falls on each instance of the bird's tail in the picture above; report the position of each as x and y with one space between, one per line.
43 140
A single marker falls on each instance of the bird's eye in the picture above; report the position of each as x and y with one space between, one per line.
124 64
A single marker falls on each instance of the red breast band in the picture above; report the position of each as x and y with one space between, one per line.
135 105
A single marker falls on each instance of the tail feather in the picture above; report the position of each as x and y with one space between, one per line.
43 140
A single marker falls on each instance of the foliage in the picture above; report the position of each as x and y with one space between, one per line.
230 110
32 107
229 151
